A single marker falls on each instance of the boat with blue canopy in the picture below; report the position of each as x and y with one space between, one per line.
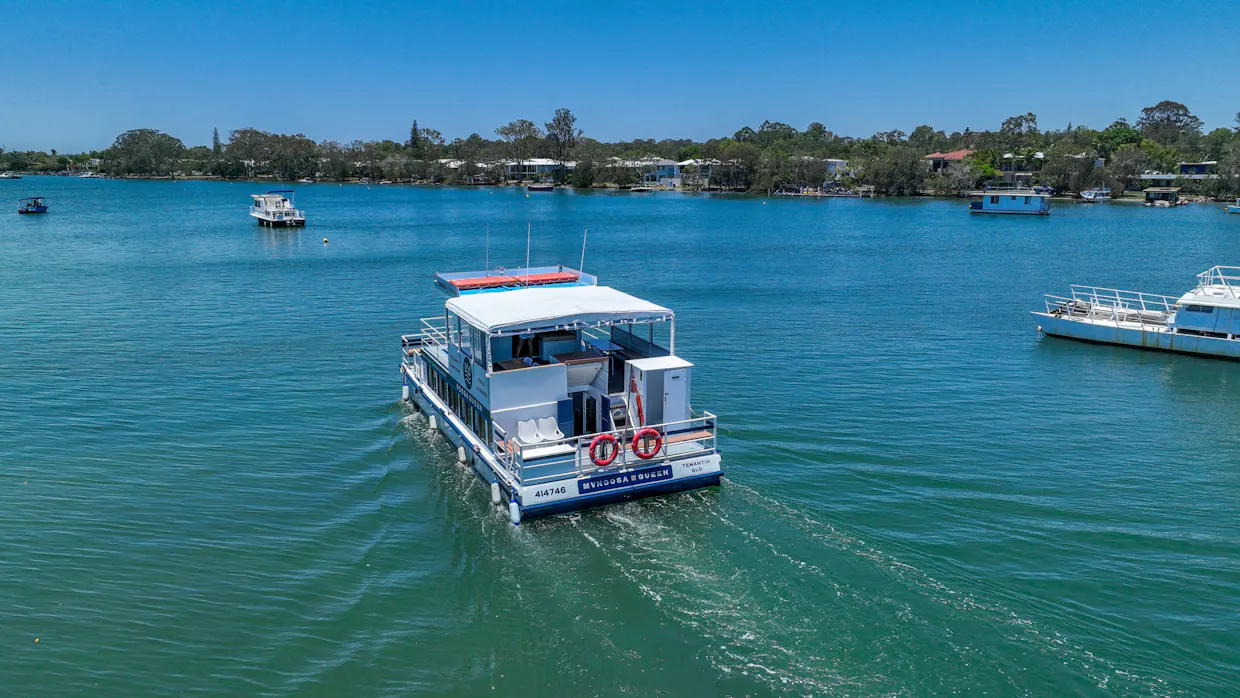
32 204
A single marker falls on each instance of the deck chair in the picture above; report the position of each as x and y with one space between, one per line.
549 430
527 433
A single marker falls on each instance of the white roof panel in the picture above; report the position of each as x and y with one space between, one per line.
541 308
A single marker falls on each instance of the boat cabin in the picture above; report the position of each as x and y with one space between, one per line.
1010 201
1213 308
31 204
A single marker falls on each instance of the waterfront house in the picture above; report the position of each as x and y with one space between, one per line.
535 168
652 170
941 161
1198 168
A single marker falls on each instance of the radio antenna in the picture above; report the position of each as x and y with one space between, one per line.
529 232
584 233
487 264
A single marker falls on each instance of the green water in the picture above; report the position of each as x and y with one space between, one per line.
209 486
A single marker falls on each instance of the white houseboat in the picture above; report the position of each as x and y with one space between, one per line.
562 394
1206 320
1013 201
1096 195
275 208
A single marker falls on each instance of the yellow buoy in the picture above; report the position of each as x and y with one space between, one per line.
324 241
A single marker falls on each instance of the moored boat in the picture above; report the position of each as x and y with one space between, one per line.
1096 195
31 204
275 208
1010 201
10 175
539 186
1205 321
559 392
1233 209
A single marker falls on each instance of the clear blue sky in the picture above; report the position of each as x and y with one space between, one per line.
80 73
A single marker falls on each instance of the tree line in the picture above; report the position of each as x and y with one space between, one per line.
763 159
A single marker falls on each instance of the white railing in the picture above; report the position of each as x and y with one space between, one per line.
431 336
1113 305
695 436
1227 277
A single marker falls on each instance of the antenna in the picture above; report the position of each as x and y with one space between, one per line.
582 267
487 264
529 232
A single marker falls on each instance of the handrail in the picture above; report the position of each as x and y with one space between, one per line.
578 463
1218 276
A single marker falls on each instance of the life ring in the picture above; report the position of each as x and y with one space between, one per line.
642 436
598 441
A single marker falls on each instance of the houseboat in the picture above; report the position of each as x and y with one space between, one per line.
1163 197
32 204
275 208
1206 320
1096 195
1011 201
560 393
1233 209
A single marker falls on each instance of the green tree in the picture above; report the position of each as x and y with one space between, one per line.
520 138
1168 123
562 136
145 151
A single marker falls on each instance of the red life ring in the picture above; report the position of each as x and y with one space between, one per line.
598 441
643 435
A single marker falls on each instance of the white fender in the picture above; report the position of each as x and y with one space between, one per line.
495 493
514 513
404 392
434 422
460 454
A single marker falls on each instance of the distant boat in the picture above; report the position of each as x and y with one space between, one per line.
540 187
10 175
1096 195
1233 209
306 180
277 210
90 175
31 204
641 190
1010 201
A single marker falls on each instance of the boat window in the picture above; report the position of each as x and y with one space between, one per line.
1200 308
465 337
994 199
453 325
1027 200
479 341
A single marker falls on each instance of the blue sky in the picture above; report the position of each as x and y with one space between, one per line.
346 70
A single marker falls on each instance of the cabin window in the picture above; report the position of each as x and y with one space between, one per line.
1200 308
465 338
479 342
1027 200
994 200
452 324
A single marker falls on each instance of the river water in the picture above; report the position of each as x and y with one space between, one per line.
209 485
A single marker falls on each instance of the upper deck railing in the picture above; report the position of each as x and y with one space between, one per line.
1227 277
1115 305
433 335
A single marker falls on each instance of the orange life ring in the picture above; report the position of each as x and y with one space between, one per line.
598 441
641 436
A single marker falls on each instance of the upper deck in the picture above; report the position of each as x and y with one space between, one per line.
1217 287
461 283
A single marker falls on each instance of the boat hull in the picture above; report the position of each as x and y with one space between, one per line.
572 493
1158 340
282 223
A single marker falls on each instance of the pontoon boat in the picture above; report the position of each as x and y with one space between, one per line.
562 394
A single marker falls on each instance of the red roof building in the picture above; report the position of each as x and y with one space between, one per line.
940 161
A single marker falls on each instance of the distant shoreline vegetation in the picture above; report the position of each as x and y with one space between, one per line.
1166 142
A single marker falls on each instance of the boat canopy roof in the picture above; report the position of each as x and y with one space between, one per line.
551 307
1216 286
32 198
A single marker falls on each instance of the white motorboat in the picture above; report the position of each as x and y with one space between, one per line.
1096 195
1206 320
275 208
560 393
